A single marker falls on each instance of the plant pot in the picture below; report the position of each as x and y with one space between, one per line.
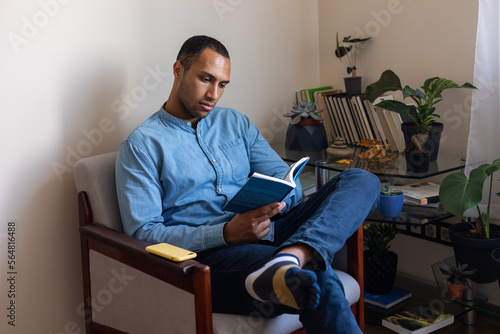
475 252
306 135
455 290
391 206
352 85
432 144
379 274
495 256
417 162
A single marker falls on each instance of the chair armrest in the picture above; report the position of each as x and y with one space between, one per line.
131 251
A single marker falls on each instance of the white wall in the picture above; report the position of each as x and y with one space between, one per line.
76 78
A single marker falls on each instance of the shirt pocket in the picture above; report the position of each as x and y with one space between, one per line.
237 157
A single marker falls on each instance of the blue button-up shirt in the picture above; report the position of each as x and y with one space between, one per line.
173 181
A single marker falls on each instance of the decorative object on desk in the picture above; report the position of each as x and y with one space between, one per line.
345 161
339 149
377 153
388 300
380 263
418 320
425 136
457 277
391 201
305 132
347 48
474 241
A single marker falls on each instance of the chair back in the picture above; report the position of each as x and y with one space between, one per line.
96 176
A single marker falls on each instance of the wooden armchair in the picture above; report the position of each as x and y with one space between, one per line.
128 290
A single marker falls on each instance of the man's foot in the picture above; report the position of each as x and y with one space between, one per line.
282 281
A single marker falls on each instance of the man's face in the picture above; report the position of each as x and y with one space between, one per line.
202 85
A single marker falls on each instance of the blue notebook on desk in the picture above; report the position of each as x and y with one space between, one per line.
388 300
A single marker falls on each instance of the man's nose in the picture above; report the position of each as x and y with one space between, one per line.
212 92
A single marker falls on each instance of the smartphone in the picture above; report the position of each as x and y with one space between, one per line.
171 252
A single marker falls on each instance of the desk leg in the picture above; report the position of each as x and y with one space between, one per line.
470 296
321 174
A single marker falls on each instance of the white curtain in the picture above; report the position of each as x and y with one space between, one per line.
484 136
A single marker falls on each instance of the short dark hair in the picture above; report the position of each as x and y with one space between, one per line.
194 46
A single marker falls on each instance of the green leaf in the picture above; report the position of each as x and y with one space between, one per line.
492 168
440 84
468 85
395 106
388 81
428 81
408 91
459 193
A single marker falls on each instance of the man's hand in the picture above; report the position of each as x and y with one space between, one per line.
252 225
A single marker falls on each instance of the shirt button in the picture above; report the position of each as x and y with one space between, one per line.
199 135
220 189
213 160
188 123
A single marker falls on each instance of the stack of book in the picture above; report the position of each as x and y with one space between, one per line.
354 118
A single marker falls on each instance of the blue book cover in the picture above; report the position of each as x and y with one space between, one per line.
388 300
263 189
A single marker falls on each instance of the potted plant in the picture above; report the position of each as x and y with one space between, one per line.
391 201
472 242
456 277
380 263
422 132
305 132
347 48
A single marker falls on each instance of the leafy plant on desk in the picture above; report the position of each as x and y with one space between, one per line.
304 110
376 238
388 191
425 98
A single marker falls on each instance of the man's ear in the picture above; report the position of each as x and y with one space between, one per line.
178 69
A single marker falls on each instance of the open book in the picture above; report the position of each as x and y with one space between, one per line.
262 189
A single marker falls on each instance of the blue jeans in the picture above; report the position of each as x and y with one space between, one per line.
324 222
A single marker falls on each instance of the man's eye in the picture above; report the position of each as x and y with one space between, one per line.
222 86
205 79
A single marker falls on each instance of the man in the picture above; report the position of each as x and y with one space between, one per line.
177 170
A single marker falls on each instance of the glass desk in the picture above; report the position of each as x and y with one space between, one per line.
445 163
326 167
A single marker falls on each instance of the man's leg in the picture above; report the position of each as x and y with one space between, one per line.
323 224
229 267
333 314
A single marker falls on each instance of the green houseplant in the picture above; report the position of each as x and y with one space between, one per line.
346 49
379 261
305 131
456 277
423 116
459 193
391 201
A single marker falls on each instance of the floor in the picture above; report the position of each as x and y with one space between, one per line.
423 293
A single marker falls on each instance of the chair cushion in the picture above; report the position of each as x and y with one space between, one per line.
96 176
285 323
